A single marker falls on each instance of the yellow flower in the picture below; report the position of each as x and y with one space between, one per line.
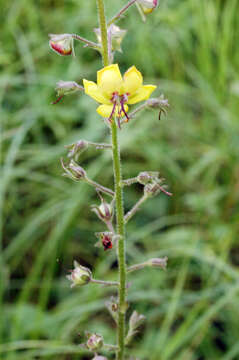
115 92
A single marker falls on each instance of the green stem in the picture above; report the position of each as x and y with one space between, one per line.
121 240
118 202
103 30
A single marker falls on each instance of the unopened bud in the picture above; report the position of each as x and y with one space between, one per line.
158 262
74 171
77 170
147 176
80 275
148 6
94 342
62 44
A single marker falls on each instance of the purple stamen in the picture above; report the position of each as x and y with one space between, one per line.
123 109
112 112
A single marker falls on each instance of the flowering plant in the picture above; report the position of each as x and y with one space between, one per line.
115 94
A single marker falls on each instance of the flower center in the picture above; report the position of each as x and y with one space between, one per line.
120 101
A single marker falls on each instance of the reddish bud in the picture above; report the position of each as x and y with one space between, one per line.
62 44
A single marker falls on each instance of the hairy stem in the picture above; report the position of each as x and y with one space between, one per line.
121 240
121 12
103 30
105 283
87 42
100 187
118 202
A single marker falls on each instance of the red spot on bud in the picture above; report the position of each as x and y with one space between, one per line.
107 242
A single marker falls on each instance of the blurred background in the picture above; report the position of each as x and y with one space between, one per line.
190 50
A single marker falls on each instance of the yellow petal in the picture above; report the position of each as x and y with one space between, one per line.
143 93
109 80
132 80
92 90
106 110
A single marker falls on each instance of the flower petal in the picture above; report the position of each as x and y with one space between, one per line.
92 90
143 93
106 110
132 80
109 80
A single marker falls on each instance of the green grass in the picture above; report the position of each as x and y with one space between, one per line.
190 49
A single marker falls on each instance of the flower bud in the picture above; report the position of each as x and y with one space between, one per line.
74 171
147 6
158 262
78 172
67 87
62 44
147 176
80 275
94 342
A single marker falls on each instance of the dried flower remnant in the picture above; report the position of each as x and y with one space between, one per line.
135 321
80 275
115 92
115 36
62 44
105 211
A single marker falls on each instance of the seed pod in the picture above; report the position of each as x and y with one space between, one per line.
80 275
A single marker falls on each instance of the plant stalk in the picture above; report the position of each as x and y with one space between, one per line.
121 241
103 30
118 201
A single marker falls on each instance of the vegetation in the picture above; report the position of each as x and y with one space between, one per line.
190 49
